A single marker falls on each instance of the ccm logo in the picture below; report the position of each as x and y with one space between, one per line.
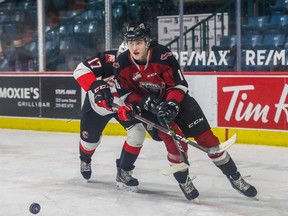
101 87
195 122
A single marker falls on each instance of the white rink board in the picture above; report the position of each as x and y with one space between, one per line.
204 89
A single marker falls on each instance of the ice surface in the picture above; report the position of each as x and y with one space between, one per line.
43 167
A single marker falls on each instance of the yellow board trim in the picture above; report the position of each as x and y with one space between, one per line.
55 125
257 137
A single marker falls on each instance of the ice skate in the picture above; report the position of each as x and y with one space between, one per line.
125 180
241 185
85 169
189 189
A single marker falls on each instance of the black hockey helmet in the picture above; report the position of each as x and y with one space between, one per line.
137 31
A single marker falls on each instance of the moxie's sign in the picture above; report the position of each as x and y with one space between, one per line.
259 102
39 95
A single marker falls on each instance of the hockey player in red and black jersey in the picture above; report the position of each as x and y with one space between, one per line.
150 77
95 76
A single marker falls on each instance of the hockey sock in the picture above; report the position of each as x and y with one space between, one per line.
128 157
223 160
173 153
207 139
85 157
229 168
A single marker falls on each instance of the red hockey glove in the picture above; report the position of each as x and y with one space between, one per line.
102 94
167 112
125 113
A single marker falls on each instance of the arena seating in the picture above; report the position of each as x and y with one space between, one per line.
80 31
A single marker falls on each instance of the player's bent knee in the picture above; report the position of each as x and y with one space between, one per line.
89 146
220 159
136 135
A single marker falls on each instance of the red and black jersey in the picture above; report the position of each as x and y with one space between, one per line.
94 68
161 75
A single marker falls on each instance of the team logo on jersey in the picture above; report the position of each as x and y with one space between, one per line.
136 76
166 55
85 134
151 87
116 65
95 63
109 58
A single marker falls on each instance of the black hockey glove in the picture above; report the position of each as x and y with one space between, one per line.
150 103
102 94
167 112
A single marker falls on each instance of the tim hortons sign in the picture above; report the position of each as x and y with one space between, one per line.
259 102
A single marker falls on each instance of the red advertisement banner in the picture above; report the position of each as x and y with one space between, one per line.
259 102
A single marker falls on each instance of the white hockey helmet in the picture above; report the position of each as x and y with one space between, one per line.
122 48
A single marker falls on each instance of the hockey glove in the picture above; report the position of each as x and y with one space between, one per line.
167 112
150 103
125 113
102 94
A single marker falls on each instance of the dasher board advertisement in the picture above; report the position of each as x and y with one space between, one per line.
256 102
40 96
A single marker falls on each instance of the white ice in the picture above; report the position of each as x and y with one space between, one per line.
43 167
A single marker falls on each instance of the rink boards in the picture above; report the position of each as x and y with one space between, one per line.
253 104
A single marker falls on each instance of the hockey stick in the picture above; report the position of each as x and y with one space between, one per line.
176 137
213 150
180 166
175 167
178 145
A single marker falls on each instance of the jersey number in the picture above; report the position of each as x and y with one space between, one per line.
95 63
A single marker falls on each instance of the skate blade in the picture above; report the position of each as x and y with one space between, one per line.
255 198
122 186
196 201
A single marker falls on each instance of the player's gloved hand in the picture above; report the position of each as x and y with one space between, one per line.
150 103
167 112
102 94
125 113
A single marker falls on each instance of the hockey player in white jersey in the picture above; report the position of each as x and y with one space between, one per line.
95 76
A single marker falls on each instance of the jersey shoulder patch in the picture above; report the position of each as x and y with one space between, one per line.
122 61
160 53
